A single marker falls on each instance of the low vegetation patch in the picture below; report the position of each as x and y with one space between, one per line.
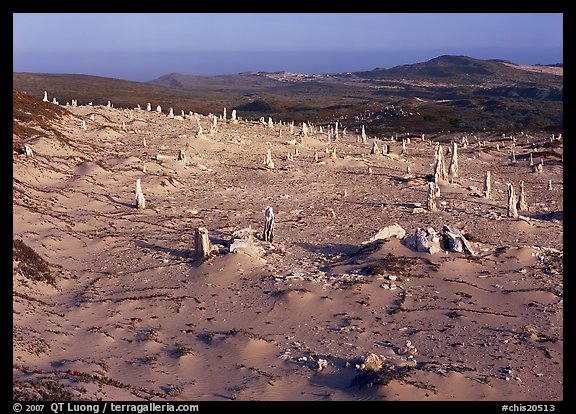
31 116
391 264
381 377
42 389
31 265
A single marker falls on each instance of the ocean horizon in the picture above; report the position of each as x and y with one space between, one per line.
146 66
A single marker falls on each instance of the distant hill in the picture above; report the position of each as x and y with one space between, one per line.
241 81
122 93
453 69
447 92
440 67
464 69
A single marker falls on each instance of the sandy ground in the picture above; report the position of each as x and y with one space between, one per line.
553 70
134 315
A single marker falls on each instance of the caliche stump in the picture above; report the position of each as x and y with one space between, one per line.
268 233
201 243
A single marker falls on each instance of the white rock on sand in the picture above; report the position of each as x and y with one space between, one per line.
394 230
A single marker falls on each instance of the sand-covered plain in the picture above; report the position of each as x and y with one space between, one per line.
133 315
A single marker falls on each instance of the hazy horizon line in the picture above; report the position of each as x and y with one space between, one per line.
145 66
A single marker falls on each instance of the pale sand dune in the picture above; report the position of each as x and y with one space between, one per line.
134 316
90 168
554 70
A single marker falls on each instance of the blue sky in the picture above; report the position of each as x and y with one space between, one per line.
143 46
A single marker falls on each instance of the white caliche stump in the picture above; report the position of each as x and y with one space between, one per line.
182 155
304 129
453 168
439 166
148 107
333 154
364 137
159 109
538 168
202 245
336 133
268 161
375 150
268 233
512 211
214 126
433 195
45 96
234 119
512 156
140 201
28 151
522 203
171 113
385 149
487 185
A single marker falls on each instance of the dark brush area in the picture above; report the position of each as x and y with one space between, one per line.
31 116
447 93
31 265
